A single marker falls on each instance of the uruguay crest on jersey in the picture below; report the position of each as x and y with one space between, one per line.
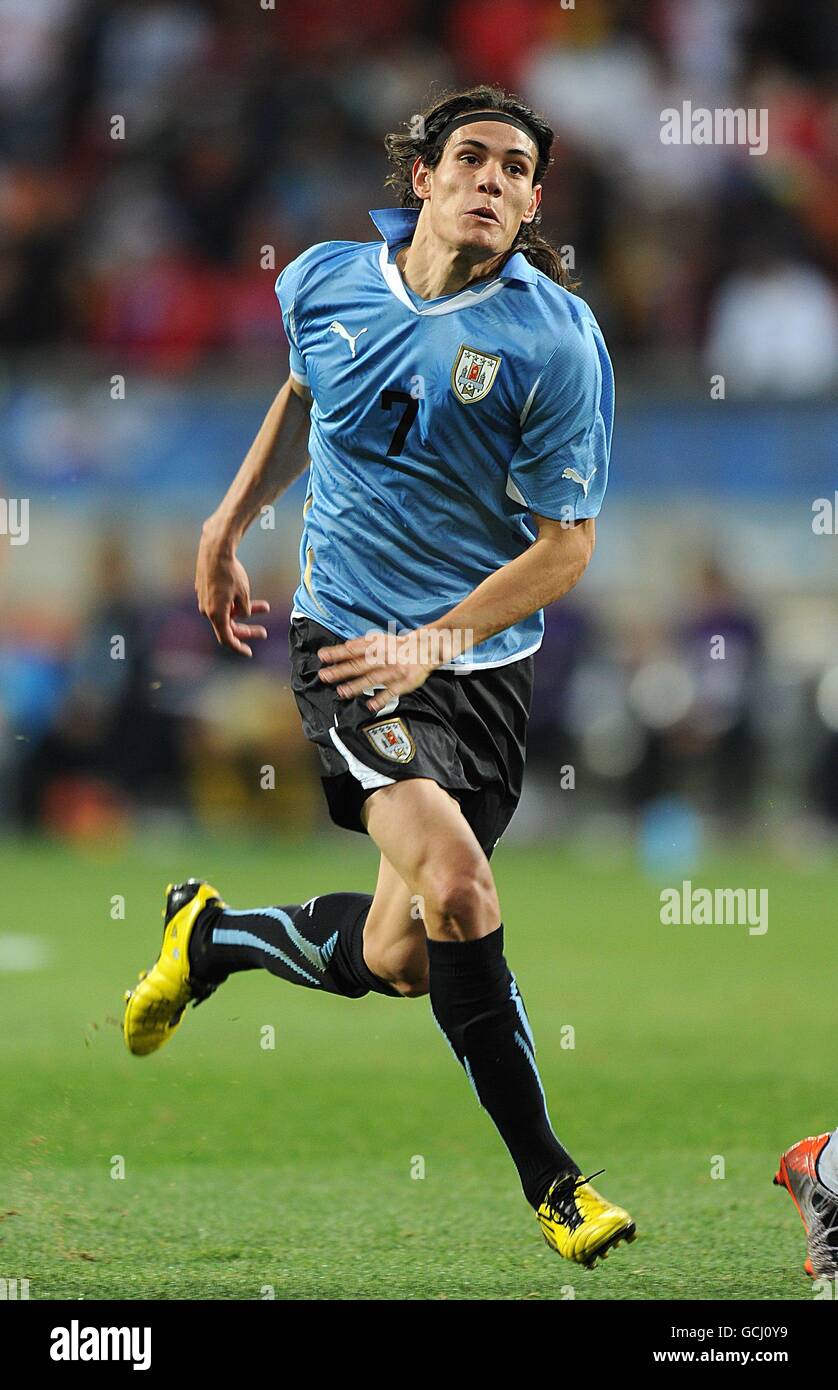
473 373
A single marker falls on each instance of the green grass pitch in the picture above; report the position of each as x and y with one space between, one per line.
249 1169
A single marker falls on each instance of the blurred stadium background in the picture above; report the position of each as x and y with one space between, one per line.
251 133
143 258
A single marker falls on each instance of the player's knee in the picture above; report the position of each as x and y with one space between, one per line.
409 975
403 965
413 988
461 899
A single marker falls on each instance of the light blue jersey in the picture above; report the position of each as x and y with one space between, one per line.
436 426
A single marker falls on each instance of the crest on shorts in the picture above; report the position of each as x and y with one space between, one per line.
473 374
390 738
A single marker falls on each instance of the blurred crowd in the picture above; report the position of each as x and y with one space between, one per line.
138 717
160 160
151 149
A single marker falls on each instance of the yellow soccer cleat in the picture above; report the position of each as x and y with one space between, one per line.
155 1007
579 1224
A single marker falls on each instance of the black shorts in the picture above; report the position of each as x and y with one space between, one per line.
466 732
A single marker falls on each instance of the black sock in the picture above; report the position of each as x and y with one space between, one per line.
318 944
476 1003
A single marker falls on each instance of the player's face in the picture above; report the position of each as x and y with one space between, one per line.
485 165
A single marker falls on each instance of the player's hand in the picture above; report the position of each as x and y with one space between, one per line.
399 664
223 592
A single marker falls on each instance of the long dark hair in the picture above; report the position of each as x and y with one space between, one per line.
422 142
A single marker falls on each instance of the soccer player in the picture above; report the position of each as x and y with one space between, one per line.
809 1173
456 402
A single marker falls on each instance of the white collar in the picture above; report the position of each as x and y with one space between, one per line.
398 225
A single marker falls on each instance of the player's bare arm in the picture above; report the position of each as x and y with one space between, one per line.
274 460
548 570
